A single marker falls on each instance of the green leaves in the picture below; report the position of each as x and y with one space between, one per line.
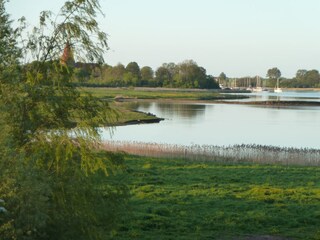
274 73
54 183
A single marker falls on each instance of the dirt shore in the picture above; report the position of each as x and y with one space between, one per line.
262 103
274 103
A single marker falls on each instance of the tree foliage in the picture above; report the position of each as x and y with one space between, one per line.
274 73
306 78
53 181
183 75
147 76
222 76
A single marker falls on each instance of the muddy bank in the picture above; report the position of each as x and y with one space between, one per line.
143 121
274 103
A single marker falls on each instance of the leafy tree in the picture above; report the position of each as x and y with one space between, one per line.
82 74
118 71
222 76
274 73
9 53
190 75
163 77
52 179
209 83
134 70
301 74
311 78
146 75
114 76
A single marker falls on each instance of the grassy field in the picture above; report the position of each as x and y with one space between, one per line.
180 199
152 93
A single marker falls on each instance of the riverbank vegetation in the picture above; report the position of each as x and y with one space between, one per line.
123 94
236 154
195 199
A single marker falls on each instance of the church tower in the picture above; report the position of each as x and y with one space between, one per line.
67 57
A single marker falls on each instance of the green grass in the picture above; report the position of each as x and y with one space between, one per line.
110 93
179 199
125 113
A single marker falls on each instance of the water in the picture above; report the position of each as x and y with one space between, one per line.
284 96
223 124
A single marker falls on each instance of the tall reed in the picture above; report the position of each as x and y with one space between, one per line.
236 153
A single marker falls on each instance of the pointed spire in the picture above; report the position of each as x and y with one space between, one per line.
67 57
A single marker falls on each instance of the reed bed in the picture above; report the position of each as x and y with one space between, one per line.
236 153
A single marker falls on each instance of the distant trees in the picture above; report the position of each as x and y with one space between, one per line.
133 75
147 76
306 78
222 76
303 79
186 74
300 74
165 74
273 73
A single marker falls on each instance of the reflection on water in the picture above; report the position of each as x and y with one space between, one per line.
170 111
224 124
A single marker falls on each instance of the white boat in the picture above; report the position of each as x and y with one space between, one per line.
277 89
257 89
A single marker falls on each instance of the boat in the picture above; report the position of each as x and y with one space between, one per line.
277 89
258 87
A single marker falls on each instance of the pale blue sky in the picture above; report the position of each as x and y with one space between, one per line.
238 37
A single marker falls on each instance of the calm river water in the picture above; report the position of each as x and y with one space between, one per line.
223 124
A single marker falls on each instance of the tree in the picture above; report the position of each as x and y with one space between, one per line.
8 50
222 76
274 73
311 78
52 179
146 75
162 76
190 75
165 74
134 70
301 74
209 83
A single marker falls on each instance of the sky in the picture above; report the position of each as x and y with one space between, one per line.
237 37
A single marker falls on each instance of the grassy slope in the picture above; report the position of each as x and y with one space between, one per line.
125 114
177 199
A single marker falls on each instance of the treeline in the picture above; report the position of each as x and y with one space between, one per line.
183 75
187 74
303 79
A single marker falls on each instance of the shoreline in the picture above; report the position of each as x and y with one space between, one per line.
232 101
155 119
148 118
275 103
